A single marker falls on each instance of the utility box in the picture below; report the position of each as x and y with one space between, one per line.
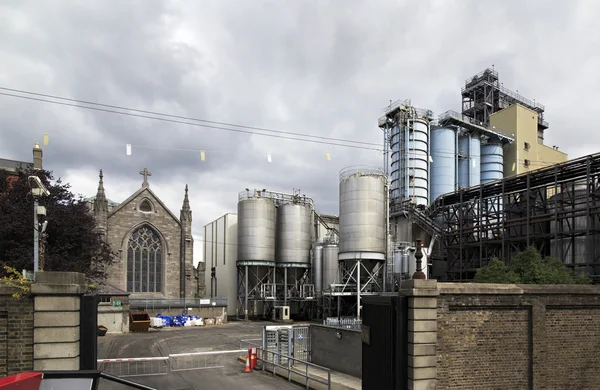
284 313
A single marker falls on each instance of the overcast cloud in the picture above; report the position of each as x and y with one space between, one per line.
320 67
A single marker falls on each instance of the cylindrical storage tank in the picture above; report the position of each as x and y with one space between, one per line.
443 164
492 162
418 163
469 149
330 265
396 138
362 211
294 233
317 268
397 262
256 230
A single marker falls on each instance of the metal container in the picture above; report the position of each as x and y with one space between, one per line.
410 161
256 230
443 164
469 161
418 163
492 162
330 265
362 210
294 233
397 142
318 267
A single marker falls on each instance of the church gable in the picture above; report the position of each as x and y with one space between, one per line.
154 258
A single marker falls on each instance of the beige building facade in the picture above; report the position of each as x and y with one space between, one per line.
527 152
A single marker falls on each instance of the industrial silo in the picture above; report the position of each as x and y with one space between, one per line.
317 268
362 213
418 163
409 145
255 251
294 234
492 162
469 151
256 229
330 265
443 164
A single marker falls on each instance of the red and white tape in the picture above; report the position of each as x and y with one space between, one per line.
146 359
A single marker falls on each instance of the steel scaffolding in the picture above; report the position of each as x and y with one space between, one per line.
556 209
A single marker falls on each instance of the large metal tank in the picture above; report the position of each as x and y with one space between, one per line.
492 162
256 230
443 166
399 161
418 163
362 211
330 265
294 233
317 268
469 173
410 157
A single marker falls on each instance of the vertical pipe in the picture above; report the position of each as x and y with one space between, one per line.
387 233
285 287
246 294
456 160
36 238
359 264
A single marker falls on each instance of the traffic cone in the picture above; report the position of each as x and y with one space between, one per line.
247 368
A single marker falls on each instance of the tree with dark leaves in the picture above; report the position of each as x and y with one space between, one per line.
71 241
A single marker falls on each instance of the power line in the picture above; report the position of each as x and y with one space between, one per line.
180 117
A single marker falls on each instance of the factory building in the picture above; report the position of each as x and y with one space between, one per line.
465 186
527 153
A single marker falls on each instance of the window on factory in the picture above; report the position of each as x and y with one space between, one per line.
144 261
526 146
526 162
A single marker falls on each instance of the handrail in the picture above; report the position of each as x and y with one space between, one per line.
260 352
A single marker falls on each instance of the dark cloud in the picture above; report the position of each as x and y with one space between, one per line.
314 67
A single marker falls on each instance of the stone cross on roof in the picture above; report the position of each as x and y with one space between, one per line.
145 173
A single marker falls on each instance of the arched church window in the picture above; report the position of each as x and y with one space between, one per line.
145 206
145 261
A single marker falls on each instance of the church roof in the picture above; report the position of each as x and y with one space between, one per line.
93 198
12 165
138 192
103 288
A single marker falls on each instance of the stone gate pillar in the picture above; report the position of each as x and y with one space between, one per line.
57 298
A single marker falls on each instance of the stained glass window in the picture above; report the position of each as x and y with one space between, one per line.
144 261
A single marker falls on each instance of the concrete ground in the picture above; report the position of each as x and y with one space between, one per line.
185 340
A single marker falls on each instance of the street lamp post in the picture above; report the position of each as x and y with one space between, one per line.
38 189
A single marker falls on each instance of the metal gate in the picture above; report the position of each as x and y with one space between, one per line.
287 340
385 342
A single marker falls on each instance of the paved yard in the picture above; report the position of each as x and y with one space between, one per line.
185 340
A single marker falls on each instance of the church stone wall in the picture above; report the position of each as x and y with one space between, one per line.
120 226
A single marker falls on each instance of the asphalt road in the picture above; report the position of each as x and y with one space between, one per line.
186 340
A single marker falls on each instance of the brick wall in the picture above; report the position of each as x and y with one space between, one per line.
16 332
518 337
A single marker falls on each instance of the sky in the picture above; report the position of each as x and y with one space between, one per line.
318 67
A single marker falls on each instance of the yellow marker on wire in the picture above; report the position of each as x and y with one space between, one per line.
202 155
328 156
46 139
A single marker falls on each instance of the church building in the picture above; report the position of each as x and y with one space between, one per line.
154 248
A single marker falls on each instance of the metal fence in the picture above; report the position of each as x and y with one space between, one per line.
178 303
135 366
163 365
294 368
